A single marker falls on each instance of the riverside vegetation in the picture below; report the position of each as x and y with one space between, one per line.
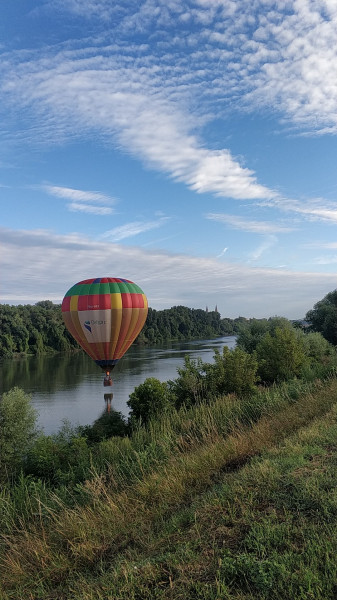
38 329
220 485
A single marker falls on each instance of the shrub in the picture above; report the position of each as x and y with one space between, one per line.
233 371
149 399
281 355
18 431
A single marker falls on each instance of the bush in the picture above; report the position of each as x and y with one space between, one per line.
233 372
18 431
190 387
281 355
148 400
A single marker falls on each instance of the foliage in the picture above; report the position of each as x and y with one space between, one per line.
109 424
34 329
196 505
180 322
251 332
39 329
149 399
281 355
323 317
233 372
190 385
17 431
284 350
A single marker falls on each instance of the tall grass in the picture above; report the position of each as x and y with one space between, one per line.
139 483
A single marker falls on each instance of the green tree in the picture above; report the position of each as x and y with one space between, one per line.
149 399
233 371
281 355
190 386
18 431
250 333
323 317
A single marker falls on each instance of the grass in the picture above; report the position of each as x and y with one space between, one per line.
230 501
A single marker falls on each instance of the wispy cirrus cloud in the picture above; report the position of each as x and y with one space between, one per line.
79 200
311 209
268 242
236 222
325 260
131 229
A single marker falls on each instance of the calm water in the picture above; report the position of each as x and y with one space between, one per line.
71 386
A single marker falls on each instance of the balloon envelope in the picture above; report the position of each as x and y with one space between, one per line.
105 315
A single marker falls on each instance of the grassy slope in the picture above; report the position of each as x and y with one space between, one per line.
246 515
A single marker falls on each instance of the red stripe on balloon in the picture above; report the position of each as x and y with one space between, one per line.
94 302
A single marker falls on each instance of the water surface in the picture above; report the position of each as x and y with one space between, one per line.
70 386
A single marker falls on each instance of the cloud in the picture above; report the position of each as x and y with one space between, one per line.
312 209
167 279
80 198
325 260
77 195
89 208
131 229
200 61
237 222
325 245
81 93
267 243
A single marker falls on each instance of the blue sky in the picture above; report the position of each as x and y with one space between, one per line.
187 145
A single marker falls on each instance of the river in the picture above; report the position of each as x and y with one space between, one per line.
70 386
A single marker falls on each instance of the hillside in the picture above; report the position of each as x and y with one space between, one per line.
230 501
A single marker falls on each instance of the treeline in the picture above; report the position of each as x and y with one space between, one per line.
33 329
39 328
180 322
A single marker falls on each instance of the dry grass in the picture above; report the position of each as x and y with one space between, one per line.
40 557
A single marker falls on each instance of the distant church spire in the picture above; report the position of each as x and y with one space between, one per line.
206 308
216 308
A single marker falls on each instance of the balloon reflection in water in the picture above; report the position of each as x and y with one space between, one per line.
108 399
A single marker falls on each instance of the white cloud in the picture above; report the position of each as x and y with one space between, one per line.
222 253
89 208
79 199
167 279
266 244
153 99
325 260
77 195
316 209
324 245
131 229
237 222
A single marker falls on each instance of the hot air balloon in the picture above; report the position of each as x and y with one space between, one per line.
105 315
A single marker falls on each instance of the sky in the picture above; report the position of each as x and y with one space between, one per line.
186 145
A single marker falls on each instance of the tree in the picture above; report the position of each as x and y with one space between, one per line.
233 371
17 431
323 317
250 333
281 355
149 399
190 387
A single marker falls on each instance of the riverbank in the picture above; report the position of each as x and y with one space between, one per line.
233 500
70 386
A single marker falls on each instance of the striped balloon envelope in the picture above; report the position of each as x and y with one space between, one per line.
105 316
